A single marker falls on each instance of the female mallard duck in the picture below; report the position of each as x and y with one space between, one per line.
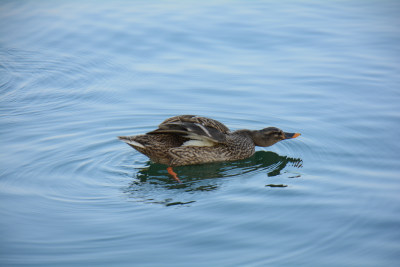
189 139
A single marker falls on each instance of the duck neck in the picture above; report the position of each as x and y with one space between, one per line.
248 133
254 136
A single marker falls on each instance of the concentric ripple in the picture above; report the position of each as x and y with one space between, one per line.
74 76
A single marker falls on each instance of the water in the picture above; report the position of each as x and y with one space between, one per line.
74 76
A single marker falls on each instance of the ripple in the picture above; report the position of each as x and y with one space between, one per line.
61 80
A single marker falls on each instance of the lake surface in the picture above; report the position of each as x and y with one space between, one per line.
74 75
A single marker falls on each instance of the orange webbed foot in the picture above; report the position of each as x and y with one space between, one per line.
173 174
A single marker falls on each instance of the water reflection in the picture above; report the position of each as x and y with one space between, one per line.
153 180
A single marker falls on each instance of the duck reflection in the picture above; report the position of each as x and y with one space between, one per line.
204 177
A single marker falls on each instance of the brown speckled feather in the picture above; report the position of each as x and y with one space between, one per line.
237 147
194 128
167 149
200 120
156 146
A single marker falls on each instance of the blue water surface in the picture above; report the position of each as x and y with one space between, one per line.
76 74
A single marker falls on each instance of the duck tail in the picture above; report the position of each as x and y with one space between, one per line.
130 140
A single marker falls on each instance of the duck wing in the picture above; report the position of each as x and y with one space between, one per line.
194 128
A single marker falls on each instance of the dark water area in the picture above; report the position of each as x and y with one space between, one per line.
75 75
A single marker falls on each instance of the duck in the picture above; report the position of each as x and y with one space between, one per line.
191 139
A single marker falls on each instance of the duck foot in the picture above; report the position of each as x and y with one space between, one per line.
173 174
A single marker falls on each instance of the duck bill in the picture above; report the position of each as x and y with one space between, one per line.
291 135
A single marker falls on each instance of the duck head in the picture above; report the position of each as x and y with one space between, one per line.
271 135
